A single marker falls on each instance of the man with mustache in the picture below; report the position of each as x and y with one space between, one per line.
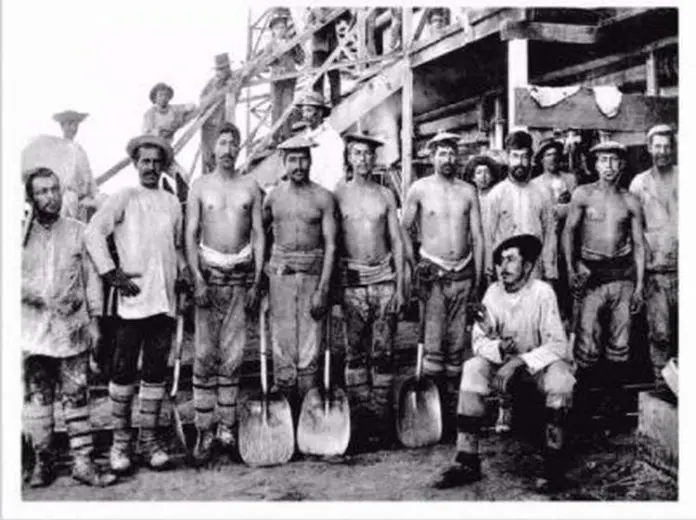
146 224
225 245
301 215
517 206
521 334
370 269
61 298
657 191
607 272
448 275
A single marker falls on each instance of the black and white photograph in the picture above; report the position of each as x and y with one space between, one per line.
282 253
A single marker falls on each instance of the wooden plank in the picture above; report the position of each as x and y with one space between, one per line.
407 108
636 114
550 32
658 420
454 122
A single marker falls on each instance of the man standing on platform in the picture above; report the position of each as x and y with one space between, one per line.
61 298
607 272
225 244
657 191
370 271
146 224
302 216
448 275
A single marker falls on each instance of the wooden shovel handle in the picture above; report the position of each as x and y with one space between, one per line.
421 339
327 351
178 343
262 346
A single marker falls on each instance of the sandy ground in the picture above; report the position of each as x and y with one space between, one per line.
602 470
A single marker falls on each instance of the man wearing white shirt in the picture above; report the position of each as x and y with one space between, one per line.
521 331
327 156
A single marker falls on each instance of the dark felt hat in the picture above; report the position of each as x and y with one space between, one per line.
529 246
545 145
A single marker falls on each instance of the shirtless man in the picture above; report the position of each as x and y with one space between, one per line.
224 247
302 217
370 269
608 269
450 268
559 185
656 190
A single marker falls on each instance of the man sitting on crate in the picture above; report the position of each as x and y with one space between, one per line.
521 333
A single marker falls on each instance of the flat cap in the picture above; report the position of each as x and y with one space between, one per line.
445 137
362 137
545 145
529 246
659 129
69 115
609 146
150 140
297 142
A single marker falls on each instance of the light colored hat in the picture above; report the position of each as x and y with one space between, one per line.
545 145
443 136
362 137
609 146
659 129
311 98
161 86
222 61
69 115
150 140
297 142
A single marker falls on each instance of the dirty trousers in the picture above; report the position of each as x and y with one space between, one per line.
555 381
662 305
42 375
219 338
615 299
369 371
154 335
296 336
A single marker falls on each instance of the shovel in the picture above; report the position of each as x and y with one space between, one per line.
178 342
324 424
419 420
266 432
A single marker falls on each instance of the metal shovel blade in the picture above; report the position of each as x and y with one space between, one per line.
324 424
266 433
419 421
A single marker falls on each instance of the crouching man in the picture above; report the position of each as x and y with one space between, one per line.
521 332
61 297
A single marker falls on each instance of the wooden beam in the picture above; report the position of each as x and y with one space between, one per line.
406 106
636 114
652 86
454 122
599 66
517 74
550 32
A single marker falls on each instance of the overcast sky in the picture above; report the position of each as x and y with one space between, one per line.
103 58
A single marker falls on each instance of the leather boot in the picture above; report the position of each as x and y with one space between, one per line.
86 472
555 463
42 474
202 451
120 453
466 471
154 454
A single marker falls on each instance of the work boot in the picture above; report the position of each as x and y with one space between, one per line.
504 422
120 453
225 435
86 472
461 474
203 449
154 455
42 475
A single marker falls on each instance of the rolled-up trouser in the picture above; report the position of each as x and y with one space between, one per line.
154 335
662 305
614 297
296 335
447 341
42 374
220 338
369 371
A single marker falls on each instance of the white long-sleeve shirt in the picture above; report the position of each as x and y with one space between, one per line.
517 209
327 158
147 229
530 317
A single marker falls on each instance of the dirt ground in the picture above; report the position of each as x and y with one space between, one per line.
603 470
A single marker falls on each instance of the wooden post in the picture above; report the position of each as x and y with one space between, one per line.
407 106
248 89
517 73
652 86
499 124
361 28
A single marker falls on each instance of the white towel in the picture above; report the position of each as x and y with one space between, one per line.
550 96
608 99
